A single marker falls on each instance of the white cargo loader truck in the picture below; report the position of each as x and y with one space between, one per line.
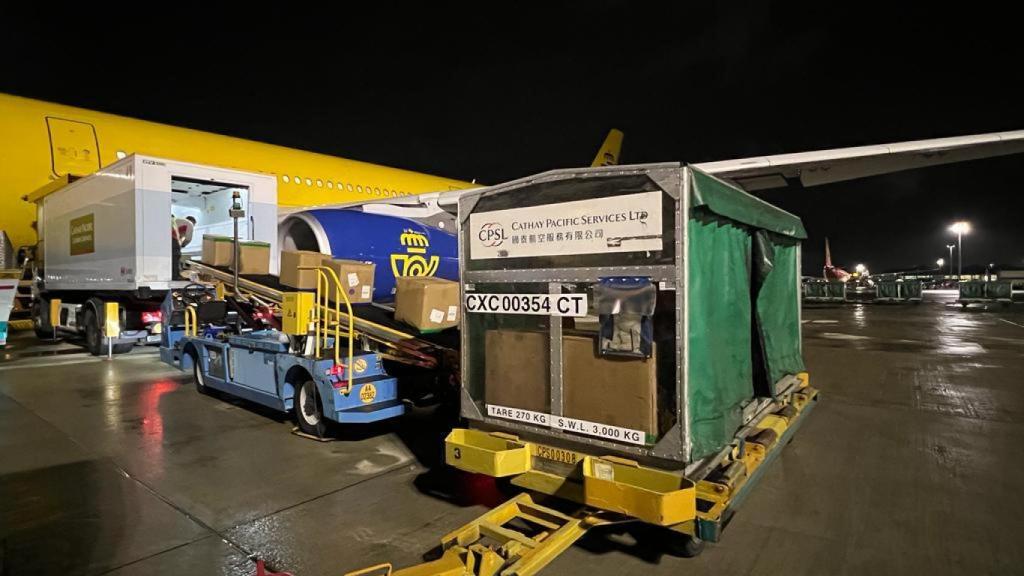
107 238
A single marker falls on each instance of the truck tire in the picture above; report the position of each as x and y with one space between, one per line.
41 320
94 334
308 411
93 337
123 348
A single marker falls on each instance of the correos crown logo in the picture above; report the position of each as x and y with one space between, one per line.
491 234
415 261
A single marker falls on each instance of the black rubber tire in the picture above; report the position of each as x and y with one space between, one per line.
683 545
123 348
41 320
197 375
308 411
93 337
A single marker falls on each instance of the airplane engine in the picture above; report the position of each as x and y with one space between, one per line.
398 246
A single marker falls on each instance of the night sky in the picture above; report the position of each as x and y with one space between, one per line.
471 92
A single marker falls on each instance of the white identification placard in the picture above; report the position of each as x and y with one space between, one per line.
627 223
541 304
567 424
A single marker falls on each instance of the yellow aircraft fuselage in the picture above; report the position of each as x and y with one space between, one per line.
41 142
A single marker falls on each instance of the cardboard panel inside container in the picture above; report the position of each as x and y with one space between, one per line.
509 362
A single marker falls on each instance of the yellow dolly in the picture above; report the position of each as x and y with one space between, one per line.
521 537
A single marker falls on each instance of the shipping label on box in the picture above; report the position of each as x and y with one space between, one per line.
426 302
356 278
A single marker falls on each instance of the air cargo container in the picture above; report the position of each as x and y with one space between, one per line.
631 341
108 239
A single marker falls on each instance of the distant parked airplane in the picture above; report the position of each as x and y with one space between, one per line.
831 272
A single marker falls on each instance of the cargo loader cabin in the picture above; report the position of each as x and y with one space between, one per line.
631 341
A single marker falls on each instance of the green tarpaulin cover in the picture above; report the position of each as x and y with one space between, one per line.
998 289
815 289
911 288
724 274
778 304
721 373
972 289
887 289
735 204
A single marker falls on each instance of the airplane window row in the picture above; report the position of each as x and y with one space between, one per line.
358 188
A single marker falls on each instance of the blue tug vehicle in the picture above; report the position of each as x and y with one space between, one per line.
307 365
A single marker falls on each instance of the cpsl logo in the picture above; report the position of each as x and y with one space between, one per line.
415 262
491 234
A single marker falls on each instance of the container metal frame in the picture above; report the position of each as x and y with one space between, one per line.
672 179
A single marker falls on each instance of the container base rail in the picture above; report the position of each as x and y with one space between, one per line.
695 507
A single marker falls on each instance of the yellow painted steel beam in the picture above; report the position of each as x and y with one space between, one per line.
510 550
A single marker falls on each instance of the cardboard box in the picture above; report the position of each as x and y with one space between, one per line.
217 250
617 391
254 257
426 302
291 261
516 369
356 278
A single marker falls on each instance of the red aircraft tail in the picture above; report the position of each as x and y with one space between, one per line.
830 271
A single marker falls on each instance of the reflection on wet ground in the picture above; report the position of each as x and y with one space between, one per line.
905 467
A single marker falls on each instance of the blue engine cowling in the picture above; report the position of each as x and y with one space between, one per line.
398 246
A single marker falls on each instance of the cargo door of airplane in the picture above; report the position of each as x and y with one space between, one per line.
74 148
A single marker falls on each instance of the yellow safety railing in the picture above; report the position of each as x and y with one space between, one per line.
191 322
322 316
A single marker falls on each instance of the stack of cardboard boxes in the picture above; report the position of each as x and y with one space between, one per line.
253 256
427 303
356 277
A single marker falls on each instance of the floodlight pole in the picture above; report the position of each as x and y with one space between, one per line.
959 254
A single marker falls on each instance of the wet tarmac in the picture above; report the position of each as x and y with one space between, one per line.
908 465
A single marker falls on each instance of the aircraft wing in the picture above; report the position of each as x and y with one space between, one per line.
827 166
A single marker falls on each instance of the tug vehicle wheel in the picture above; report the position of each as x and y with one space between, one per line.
197 375
308 411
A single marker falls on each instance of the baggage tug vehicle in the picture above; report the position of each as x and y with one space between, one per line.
309 366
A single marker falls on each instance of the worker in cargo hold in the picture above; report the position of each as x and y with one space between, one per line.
181 235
